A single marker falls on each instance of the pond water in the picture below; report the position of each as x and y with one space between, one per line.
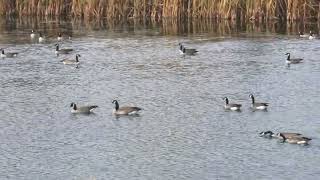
183 132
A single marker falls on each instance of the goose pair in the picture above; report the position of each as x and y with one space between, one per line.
62 51
293 60
310 35
8 54
125 110
290 137
33 35
72 61
186 51
236 107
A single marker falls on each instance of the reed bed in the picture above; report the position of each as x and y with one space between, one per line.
254 10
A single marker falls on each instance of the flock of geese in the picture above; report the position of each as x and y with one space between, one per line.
289 137
294 138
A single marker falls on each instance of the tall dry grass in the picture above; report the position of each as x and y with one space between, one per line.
258 10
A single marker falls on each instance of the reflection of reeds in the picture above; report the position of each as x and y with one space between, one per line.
258 10
50 26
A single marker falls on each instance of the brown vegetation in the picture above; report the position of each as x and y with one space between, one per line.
257 10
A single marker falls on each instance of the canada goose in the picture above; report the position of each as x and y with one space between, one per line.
60 38
62 51
32 35
8 55
270 134
233 107
258 106
187 51
295 139
82 109
71 61
41 38
311 36
292 61
125 110
303 35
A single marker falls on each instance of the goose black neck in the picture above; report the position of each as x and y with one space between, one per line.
2 51
227 101
74 107
284 138
252 98
57 47
77 58
116 105
288 58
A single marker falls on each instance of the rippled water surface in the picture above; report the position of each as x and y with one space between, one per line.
183 131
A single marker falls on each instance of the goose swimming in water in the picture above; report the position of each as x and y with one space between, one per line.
8 55
258 106
295 139
82 109
62 51
71 61
187 51
233 107
293 61
32 35
270 134
125 110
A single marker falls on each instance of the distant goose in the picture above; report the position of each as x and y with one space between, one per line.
295 139
311 36
41 38
270 134
60 38
62 51
233 107
187 51
292 61
72 61
303 35
82 109
258 106
125 110
8 55
32 35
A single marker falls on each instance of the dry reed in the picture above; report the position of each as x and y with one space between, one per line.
257 10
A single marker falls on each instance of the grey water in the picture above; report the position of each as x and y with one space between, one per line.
183 132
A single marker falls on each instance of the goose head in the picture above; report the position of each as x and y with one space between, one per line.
263 133
73 105
59 34
116 104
